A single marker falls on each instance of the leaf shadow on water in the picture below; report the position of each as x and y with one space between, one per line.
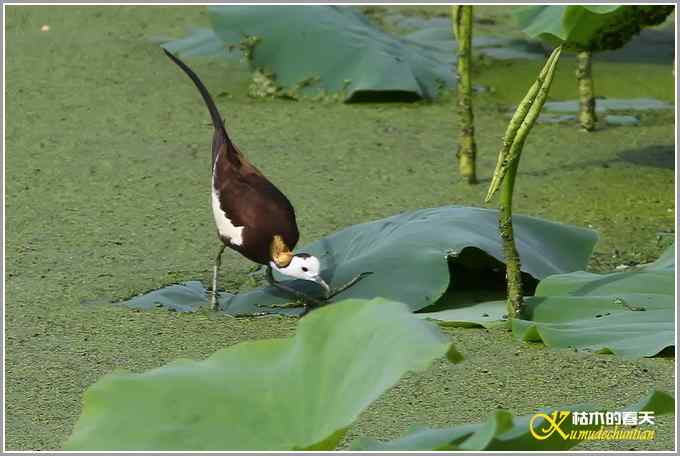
575 166
383 96
475 277
656 156
668 353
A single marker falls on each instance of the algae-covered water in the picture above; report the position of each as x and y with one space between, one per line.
107 167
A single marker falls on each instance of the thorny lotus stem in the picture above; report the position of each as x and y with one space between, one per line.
506 169
467 149
510 148
586 93
515 299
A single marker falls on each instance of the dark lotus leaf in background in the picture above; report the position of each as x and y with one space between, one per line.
314 50
199 42
277 394
338 46
436 39
630 313
589 27
610 104
503 432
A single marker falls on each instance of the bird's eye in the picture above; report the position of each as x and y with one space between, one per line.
304 269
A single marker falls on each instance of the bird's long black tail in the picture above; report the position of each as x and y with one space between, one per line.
218 123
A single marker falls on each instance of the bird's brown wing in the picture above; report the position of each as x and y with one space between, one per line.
250 200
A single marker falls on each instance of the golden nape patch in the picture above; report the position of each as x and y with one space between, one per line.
281 254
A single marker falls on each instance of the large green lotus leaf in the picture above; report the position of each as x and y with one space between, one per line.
630 313
277 394
503 432
594 27
416 256
204 42
334 49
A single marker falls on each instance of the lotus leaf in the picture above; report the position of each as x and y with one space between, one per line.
316 49
431 259
589 27
200 42
630 313
279 394
503 432
416 257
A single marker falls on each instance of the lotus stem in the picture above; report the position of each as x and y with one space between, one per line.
515 295
467 148
504 156
586 93
508 161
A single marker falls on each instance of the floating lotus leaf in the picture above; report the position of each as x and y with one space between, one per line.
415 257
316 49
435 258
279 394
504 432
630 313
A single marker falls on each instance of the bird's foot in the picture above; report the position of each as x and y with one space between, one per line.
349 284
215 306
307 304
214 303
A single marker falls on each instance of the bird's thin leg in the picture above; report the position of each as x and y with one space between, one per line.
216 269
307 300
349 284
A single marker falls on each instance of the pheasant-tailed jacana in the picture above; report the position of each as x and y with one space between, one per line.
252 216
